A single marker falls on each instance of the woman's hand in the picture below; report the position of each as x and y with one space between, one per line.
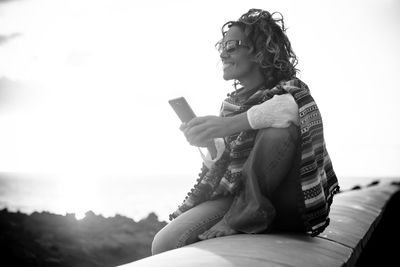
201 131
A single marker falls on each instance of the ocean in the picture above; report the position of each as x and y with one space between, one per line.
133 197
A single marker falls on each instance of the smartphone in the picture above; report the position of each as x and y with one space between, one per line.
182 109
185 113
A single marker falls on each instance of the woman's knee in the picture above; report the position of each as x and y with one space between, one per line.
170 236
185 229
164 240
273 152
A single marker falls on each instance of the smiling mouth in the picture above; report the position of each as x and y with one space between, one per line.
226 65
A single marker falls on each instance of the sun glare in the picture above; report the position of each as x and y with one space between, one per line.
77 196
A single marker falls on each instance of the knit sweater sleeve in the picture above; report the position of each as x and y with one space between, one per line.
277 112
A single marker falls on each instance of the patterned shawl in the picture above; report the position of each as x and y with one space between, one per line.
317 178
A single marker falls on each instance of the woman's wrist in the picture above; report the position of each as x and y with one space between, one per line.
238 123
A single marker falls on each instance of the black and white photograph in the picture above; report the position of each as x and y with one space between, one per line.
199 133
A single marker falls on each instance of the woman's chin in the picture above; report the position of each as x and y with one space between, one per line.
227 77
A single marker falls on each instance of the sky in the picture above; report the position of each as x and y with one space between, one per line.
85 84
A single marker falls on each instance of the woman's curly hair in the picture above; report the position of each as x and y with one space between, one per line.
272 48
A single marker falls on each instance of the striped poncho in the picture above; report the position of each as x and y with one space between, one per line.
316 176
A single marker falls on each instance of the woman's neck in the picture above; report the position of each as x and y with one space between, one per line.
249 86
253 81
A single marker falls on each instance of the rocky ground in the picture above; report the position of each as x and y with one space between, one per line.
45 239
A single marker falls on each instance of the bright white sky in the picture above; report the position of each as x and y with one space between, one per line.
85 84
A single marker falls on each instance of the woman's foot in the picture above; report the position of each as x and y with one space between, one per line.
218 230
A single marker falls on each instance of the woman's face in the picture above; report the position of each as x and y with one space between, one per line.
236 57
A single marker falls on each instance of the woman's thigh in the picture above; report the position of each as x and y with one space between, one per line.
184 230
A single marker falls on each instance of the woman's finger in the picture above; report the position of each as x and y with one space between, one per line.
196 130
204 135
199 137
197 121
183 126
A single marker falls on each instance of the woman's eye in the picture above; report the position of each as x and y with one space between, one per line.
230 48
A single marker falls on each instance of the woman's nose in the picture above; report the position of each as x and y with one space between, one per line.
224 54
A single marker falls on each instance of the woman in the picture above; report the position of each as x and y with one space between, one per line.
267 168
